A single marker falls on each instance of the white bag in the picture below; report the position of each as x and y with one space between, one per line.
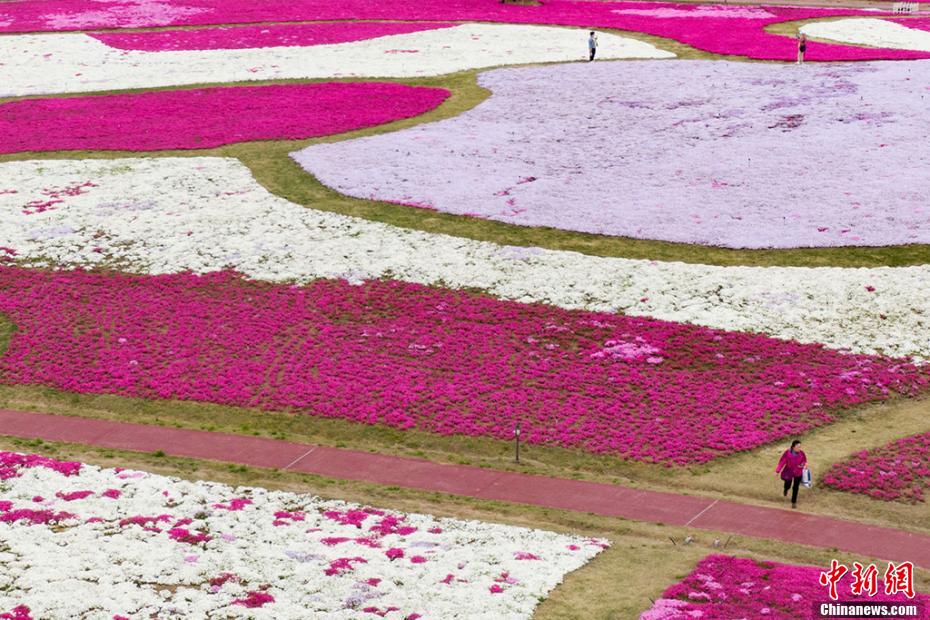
807 479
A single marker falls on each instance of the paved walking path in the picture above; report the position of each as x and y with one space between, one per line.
582 496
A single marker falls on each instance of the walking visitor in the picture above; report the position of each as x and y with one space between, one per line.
791 468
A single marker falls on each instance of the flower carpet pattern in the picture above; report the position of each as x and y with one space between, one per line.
207 117
267 35
735 129
413 357
899 471
140 545
902 34
723 587
719 29
169 215
70 63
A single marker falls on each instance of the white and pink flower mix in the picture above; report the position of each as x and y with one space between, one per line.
139 545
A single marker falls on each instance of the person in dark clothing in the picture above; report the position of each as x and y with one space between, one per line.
791 469
592 45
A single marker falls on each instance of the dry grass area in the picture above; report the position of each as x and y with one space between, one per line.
643 560
746 477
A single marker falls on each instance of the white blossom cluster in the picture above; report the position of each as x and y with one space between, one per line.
73 62
870 32
109 542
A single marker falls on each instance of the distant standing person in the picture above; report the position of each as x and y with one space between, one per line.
802 47
592 45
791 468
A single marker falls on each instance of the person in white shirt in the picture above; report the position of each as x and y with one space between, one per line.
592 45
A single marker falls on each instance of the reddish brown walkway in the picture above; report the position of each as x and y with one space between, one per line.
603 499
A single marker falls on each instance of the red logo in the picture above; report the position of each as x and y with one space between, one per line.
899 578
833 577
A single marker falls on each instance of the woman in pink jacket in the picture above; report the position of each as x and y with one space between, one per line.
791 467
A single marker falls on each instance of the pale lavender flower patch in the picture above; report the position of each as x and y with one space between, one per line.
710 152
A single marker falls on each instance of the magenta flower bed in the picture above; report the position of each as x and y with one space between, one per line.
918 23
715 28
12 465
276 35
723 587
899 471
207 117
441 361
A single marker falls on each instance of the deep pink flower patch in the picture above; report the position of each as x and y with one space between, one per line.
147 523
898 471
392 525
343 565
367 542
349 517
919 23
20 612
206 117
254 599
283 517
74 495
441 361
235 504
12 464
183 535
112 493
34 517
274 35
221 579
723 587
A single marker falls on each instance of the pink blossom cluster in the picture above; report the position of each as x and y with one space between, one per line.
724 587
719 28
205 117
254 599
12 464
20 612
899 471
435 360
919 23
269 35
